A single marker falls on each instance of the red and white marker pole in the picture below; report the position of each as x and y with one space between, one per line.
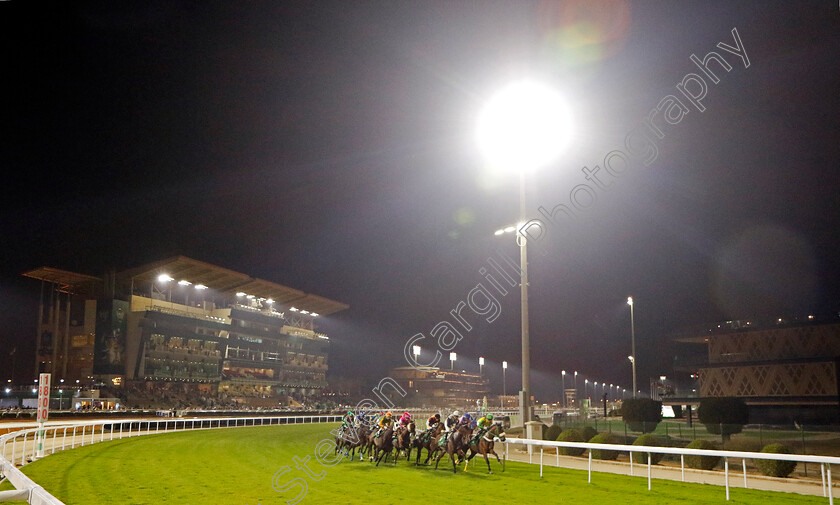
44 381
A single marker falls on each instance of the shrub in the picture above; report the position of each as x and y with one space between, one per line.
552 432
650 441
571 435
588 432
701 462
775 468
641 414
744 444
723 416
604 438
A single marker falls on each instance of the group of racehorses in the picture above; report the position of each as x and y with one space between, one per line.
403 440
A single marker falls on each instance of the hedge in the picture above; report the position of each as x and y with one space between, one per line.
723 416
650 441
552 432
571 435
588 432
604 438
641 414
701 462
776 468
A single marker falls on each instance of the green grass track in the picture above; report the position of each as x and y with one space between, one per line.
237 466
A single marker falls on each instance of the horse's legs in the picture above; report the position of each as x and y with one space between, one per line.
438 458
491 451
431 452
454 466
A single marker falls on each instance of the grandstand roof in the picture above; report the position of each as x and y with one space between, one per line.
219 279
230 282
68 282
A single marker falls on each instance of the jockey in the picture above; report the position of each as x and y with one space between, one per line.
405 420
450 425
466 420
452 421
432 421
378 417
483 425
347 422
384 422
360 419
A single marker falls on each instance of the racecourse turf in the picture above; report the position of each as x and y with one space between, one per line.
243 466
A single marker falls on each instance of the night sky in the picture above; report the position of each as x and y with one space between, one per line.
329 146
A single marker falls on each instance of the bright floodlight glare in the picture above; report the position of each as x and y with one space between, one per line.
510 229
164 278
524 126
629 300
498 232
504 364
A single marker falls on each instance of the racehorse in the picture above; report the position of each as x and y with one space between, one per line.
484 445
352 438
457 443
402 441
383 443
426 440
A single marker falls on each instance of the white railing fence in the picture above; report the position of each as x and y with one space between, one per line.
825 462
23 446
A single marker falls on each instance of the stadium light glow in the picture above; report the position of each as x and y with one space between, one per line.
524 126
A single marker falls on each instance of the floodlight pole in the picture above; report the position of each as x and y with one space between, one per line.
632 342
524 404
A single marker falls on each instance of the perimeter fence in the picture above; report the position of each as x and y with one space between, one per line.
26 445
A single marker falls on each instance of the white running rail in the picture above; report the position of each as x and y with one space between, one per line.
21 447
825 462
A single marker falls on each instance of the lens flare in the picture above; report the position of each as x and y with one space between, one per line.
579 32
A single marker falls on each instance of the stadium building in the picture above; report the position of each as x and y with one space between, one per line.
180 321
785 370
432 386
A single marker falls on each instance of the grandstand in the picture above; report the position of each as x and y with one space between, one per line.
182 332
